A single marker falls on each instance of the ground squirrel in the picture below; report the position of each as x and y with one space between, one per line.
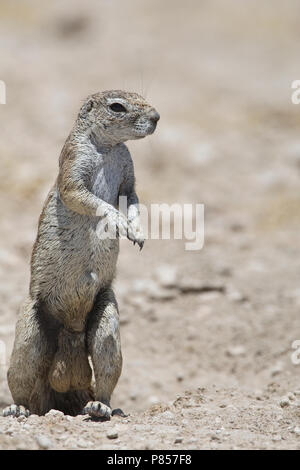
71 312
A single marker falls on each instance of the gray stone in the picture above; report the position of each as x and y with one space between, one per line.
54 413
112 434
178 440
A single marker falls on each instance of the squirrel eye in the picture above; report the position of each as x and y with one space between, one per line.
118 108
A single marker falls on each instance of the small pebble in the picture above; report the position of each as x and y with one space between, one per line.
112 434
21 418
133 396
168 414
236 351
166 275
178 440
179 377
153 400
236 296
291 396
277 369
284 402
54 413
44 442
84 444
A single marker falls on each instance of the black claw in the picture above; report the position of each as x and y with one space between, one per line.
141 244
119 412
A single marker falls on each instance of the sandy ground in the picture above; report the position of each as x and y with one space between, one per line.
206 334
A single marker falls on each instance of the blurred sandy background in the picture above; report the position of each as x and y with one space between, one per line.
220 75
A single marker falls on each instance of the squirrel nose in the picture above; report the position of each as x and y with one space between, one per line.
154 116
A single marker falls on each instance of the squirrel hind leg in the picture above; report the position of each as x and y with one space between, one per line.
31 357
104 346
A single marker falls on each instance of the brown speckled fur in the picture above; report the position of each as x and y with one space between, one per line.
71 311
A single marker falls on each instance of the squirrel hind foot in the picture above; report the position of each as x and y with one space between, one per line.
97 410
16 411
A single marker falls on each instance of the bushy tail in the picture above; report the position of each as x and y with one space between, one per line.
70 369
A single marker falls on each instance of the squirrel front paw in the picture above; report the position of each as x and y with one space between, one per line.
135 232
115 224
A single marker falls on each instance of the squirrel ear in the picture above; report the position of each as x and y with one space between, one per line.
86 108
89 105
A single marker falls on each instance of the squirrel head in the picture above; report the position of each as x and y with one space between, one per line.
116 116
